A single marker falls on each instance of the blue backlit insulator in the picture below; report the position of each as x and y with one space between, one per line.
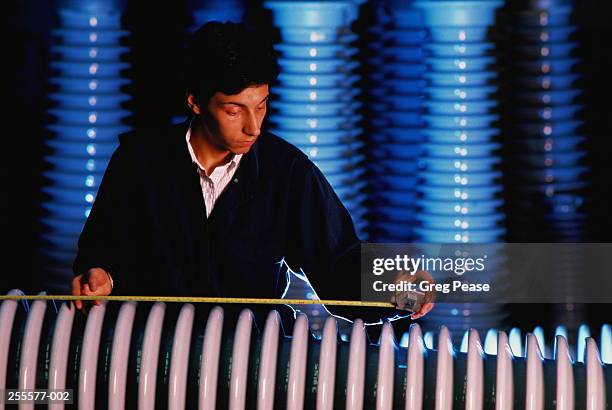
315 104
460 181
87 114
547 163
546 125
395 138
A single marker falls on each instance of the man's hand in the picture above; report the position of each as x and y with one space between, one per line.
96 282
425 305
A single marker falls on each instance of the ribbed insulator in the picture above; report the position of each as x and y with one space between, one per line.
460 187
397 83
88 111
316 106
139 355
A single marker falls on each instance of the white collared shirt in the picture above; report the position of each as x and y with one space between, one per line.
214 184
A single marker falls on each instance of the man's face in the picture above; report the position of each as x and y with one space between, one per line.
234 121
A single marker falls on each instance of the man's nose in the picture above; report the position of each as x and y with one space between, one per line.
252 126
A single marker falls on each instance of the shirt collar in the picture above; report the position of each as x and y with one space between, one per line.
232 163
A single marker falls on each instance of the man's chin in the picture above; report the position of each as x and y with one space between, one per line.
241 150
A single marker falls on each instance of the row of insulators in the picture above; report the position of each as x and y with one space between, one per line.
139 355
86 115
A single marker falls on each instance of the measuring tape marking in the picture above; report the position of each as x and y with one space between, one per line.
193 299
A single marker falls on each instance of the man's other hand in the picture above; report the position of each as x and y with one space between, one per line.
96 282
425 305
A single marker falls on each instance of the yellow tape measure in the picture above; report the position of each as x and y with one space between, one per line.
193 299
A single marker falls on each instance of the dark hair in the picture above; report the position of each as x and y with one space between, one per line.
227 57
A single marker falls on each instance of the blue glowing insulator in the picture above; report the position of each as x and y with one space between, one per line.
327 51
314 109
317 137
460 207
73 180
312 14
66 211
315 95
460 235
84 17
321 66
78 149
397 58
460 179
87 116
460 167
460 150
86 85
316 35
449 34
101 69
94 53
314 123
460 50
330 152
546 132
459 14
460 64
87 133
465 222
316 80
460 135
88 37
89 100
461 93
461 164
315 105
77 163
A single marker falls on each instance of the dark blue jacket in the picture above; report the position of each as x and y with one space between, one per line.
148 226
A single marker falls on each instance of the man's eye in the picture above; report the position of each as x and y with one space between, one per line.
261 107
232 113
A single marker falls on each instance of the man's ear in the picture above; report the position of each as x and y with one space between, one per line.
193 104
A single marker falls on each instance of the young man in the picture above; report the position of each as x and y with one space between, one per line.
210 207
